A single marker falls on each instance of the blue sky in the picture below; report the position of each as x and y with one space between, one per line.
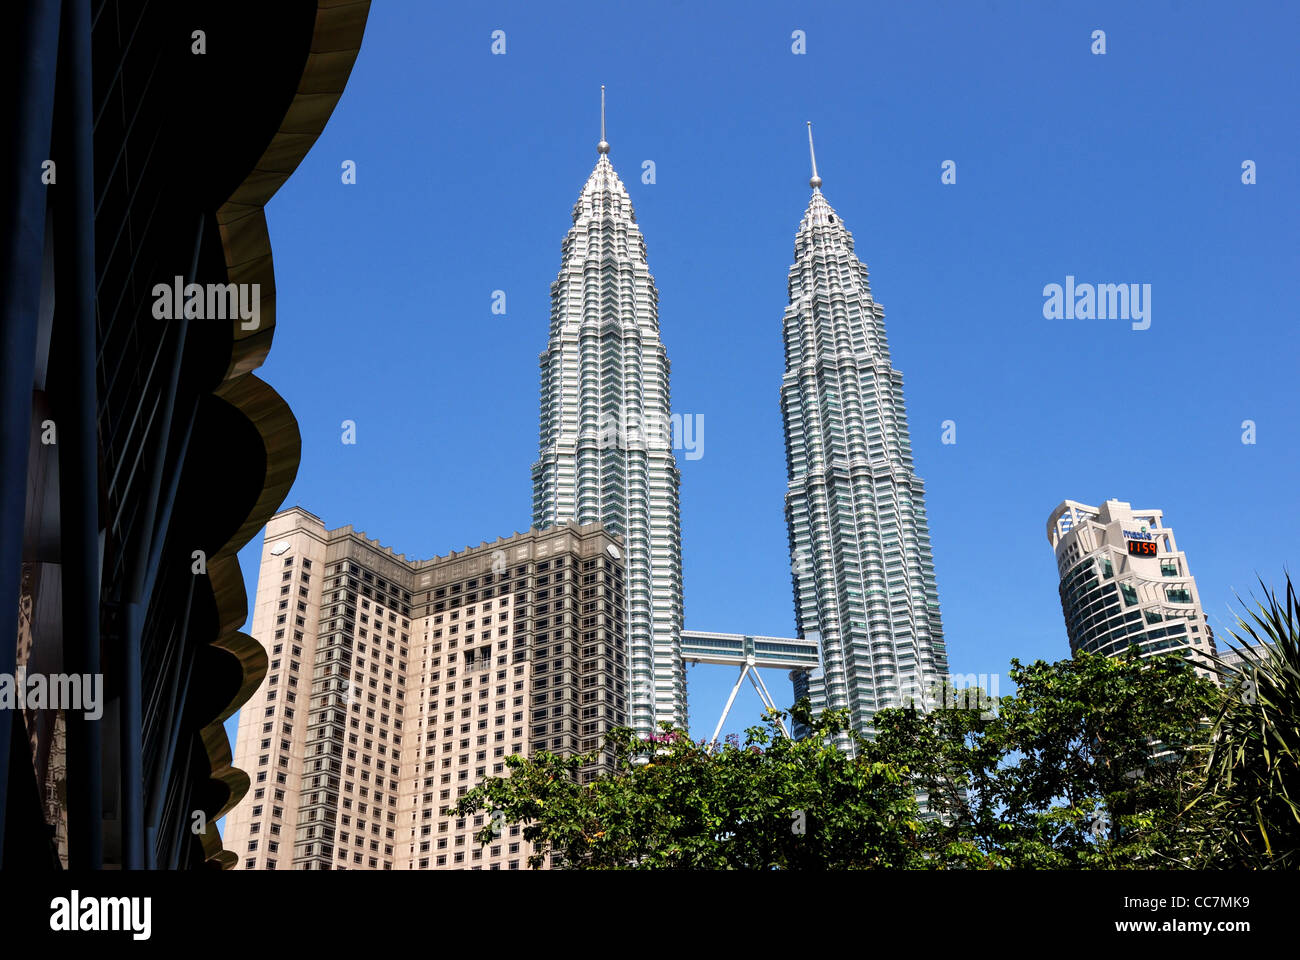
1119 168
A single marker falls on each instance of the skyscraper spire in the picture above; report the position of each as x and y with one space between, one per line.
855 509
816 181
603 146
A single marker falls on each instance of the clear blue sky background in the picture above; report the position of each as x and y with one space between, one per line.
1117 168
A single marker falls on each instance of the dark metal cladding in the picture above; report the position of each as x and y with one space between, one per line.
137 445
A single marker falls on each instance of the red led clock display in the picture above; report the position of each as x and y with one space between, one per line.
1142 548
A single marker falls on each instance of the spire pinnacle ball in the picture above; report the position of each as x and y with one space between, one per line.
602 147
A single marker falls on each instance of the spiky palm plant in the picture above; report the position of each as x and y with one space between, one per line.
1250 798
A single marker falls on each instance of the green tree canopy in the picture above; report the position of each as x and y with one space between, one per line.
1095 762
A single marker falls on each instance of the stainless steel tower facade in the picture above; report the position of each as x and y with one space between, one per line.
605 447
860 545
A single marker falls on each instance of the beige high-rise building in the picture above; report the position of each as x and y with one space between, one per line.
1124 582
394 686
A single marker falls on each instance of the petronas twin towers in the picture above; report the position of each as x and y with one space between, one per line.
854 506
605 405
863 574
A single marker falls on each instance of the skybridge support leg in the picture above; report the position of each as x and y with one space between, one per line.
730 700
751 671
766 697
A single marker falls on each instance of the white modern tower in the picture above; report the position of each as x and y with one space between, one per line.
605 452
860 545
1125 583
